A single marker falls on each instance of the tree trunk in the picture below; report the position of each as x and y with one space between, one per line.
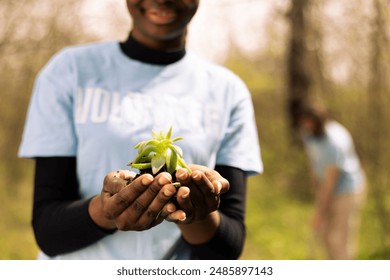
299 81
378 128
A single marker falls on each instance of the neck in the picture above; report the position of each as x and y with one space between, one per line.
140 52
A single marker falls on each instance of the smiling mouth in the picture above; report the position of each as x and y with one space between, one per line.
161 16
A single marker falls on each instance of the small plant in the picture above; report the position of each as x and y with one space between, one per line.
159 154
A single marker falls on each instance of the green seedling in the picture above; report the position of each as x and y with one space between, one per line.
159 154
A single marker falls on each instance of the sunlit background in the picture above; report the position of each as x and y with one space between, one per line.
347 61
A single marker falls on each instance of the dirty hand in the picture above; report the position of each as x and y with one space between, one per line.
199 194
129 203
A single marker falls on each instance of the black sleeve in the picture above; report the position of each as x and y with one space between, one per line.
61 221
228 241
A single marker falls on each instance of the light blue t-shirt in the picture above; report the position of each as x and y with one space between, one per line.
336 148
95 103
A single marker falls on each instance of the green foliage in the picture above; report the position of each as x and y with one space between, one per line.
277 225
28 39
280 201
159 152
16 235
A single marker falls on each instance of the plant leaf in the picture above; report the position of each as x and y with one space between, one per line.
169 133
182 163
145 153
171 160
158 162
139 145
177 139
155 135
177 150
140 166
159 151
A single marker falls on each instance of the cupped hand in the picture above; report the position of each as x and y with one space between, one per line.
129 203
199 194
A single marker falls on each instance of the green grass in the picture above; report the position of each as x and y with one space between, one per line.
277 225
16 236
373 241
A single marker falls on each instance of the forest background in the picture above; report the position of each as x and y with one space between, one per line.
287 52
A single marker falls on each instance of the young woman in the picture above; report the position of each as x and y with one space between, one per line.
91 104
338 178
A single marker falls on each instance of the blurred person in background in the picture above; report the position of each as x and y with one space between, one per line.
338 179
